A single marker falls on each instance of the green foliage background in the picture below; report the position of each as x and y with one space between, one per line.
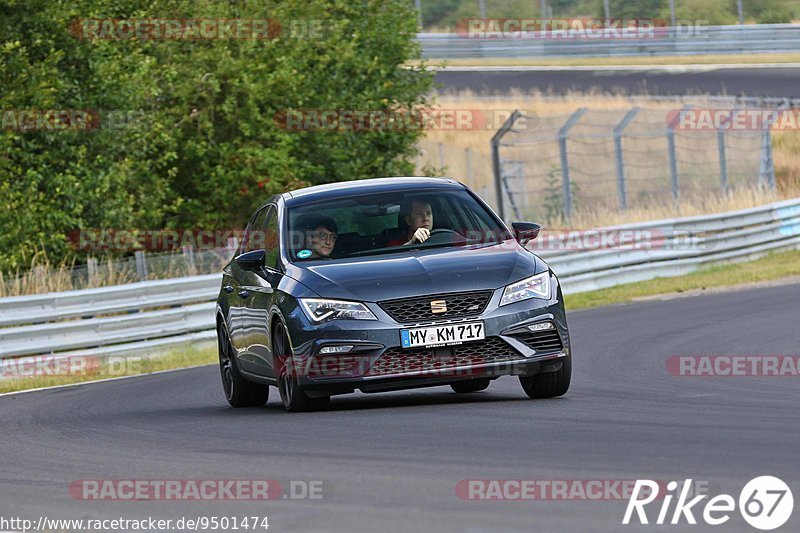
204 148
444 13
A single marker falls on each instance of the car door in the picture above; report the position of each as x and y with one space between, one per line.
234 280
261 288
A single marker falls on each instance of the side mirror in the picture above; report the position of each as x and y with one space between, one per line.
525 232
255 260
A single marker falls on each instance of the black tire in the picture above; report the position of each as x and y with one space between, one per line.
238 391
293 398
550 384
472 385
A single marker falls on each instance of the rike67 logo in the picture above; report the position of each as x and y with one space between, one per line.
766 503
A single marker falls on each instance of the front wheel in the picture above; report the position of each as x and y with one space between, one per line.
238 391
292 396
550 384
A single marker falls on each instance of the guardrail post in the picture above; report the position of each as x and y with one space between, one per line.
723 161
562 145
623 195
141 265
496 165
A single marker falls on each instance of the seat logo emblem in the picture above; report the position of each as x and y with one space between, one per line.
438 307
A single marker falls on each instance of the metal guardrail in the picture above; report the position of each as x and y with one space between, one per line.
56 306
745 39
675 247
119 319
133 319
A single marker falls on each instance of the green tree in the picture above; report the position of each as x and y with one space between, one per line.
634 9
206 148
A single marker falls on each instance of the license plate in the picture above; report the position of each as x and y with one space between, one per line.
442 335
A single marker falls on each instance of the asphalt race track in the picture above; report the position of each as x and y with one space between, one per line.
391 461
770 82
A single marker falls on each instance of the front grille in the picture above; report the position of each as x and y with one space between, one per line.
399 361
459 304
542 342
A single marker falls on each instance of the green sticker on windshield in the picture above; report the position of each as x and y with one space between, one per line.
304 254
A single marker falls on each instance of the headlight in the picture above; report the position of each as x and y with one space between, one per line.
537 286
321 310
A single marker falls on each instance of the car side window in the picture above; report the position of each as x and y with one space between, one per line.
253 238
271 240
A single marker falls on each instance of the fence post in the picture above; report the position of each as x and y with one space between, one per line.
188 254
516 168
562 145
91 270
141 265
496 166
673 158
766 174
723 161
623 195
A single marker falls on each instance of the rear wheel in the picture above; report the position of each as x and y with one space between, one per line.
238 391
292 396
473 385
550 384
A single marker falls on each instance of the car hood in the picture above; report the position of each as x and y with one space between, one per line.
401 275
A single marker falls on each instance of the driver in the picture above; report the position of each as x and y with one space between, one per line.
321 238
419 218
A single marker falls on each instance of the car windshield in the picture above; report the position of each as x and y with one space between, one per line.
373 224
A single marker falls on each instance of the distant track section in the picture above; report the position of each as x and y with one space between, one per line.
773 81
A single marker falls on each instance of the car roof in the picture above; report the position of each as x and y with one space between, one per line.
376 185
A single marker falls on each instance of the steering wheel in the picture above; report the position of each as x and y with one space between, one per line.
444 235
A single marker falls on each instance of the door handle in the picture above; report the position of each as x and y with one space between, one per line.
228 289
244 294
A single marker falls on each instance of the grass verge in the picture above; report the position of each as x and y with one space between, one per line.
769 268
119 366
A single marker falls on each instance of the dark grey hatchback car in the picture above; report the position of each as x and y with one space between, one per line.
386 284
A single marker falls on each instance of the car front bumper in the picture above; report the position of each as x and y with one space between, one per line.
377 362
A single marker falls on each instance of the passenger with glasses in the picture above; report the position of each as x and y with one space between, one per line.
321 238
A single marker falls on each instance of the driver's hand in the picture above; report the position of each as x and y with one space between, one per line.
421 235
